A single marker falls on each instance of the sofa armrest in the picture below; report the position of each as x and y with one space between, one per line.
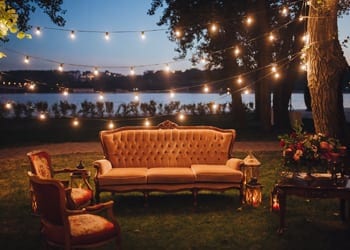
102 166
234 163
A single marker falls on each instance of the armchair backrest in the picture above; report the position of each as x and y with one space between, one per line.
40 162
50 198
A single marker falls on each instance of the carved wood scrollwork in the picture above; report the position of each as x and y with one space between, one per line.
167 125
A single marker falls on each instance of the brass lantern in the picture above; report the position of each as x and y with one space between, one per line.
253 193
251 168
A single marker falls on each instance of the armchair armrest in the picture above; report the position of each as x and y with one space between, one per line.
102 166
234 163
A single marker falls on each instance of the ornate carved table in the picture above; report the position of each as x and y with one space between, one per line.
320 186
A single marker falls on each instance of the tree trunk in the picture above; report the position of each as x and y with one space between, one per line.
262 87
326 64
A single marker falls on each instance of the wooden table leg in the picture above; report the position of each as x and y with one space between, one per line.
283 206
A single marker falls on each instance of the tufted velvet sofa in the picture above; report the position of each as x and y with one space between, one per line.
168 158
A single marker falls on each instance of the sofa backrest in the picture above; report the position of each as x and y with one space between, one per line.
167 145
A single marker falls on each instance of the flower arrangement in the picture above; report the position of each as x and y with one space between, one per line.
304 149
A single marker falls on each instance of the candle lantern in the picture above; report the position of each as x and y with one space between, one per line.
274 200
253 193
251 168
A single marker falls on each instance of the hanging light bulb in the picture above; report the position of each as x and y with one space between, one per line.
167 68
303 67
65 92
239 80
75 122
8 105
136 97
178 33
249 20
147 123
101 96
305 38
72 34
172 94
143 35
213 27
203 61
60 67
301 18
181 116
31 86
206 89
38 31
237 51
107 36
26 59
96 71
132 71
271 37
111 125
277 75
214 106
284 11
42 116
274 68
246 92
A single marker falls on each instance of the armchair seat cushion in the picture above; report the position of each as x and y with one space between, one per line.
81 196
216 173
85 229
170 175
120 176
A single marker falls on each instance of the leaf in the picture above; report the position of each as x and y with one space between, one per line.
21 35
2 55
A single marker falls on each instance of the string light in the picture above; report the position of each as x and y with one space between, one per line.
203 61
206 89
271 37
75 122
65 92
305 38
214 106
8 105
237 51
147 123
181 116
96 71
239 80
110 125
60 67
249 20
143 35
38 31
172 94
167 68
26 59
303 67
31 86
132 71
107 36
42 116
136 97
72 34
285 11
101 96
178 33
214 27
246 92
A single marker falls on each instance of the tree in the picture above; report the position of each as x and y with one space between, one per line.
326 66
15 15
232 34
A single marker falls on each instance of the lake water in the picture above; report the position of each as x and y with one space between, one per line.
119 98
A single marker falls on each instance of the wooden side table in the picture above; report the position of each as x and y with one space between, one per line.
321 188
79 178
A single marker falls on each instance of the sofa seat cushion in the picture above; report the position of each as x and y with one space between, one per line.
216 173
122 176
170 175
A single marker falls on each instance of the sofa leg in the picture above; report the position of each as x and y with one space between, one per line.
145 196
195 193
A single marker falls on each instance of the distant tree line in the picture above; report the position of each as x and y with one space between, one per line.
88 109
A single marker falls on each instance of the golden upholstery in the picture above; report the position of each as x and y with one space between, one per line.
72 228
170 158
41 165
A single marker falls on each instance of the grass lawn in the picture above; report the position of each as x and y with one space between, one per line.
171 222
